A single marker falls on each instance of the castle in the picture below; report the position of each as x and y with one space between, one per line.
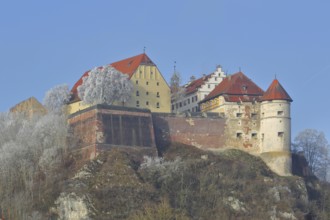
219 112
215 112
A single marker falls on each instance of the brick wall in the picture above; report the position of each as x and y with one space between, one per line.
203 132
101 127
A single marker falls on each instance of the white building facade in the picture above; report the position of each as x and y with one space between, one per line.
195 91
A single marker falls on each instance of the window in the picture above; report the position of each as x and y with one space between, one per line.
192 99
172 107
280 113
262 136
254 135
147 83
208 86
216 78
147 103
147 93
253 115
137 93
157 83
157 104
137 104
196 109
177 105
238 115
140 71
137 82
188 101
239 135
184 103
244 87
157 94
180 104
280 134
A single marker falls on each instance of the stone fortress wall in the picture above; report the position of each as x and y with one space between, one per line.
101 127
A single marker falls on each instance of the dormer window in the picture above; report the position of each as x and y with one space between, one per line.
244 87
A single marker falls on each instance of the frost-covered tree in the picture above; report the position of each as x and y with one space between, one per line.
32 152
315 147
56 97
105 85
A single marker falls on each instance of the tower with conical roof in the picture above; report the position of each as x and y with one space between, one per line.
275 128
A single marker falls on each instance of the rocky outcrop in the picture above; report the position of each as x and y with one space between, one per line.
125 183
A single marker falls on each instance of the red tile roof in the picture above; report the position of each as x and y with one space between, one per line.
276 92
194 85
127 66
236 87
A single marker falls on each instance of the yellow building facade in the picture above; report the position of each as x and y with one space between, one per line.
150 89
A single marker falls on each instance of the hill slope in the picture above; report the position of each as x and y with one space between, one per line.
186 183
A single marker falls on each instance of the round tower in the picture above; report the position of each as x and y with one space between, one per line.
275 129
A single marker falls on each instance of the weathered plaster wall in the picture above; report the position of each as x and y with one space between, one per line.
243 124
275 118
202 132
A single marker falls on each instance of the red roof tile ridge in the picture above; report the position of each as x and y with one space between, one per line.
236 84
127 66
276 92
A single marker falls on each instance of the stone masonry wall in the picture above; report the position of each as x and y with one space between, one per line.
101 127
202 132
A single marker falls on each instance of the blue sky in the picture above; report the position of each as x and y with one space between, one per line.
46 43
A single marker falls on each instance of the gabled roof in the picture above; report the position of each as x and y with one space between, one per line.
29 107
127 66
236 87
196 84
276 92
